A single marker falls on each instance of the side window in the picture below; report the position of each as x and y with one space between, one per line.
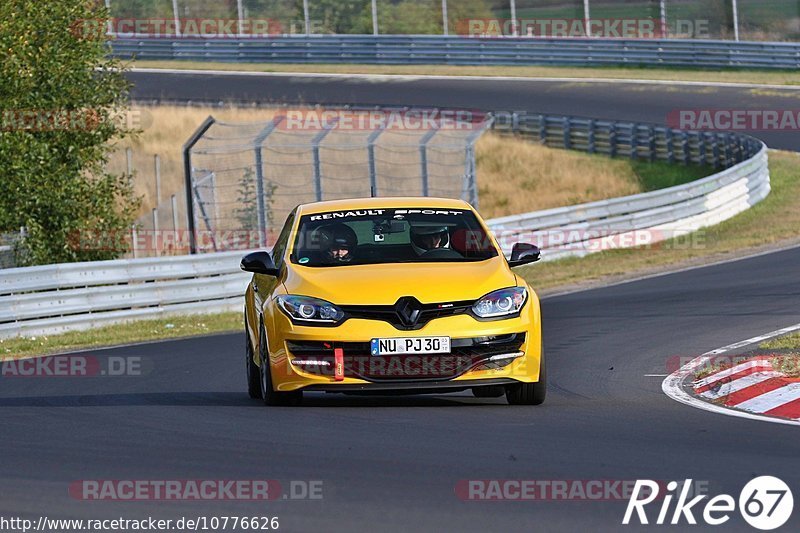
283 240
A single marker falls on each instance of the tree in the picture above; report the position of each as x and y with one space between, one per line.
62 102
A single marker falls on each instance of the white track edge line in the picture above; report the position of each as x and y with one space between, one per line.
672 386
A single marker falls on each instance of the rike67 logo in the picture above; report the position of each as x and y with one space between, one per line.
765 503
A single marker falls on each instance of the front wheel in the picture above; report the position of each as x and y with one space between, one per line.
268 394
529 393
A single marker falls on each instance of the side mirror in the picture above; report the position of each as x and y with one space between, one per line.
523 253
259 263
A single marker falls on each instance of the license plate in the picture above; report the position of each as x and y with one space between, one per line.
410 345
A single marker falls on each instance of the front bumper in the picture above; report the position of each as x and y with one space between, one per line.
511 356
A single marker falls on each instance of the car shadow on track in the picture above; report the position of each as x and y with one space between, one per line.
237 399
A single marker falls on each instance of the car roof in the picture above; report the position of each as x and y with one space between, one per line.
379 203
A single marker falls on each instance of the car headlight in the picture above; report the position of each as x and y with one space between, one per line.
305 309
501 303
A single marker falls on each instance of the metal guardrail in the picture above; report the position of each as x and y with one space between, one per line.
455 50
56 298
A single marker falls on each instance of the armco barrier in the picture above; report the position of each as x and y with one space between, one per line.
56 298
454 50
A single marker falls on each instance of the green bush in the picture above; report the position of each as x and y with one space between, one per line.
61 108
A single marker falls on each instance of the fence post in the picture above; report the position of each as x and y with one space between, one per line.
373 171
174 204
187 176
155 232
423 157
663 17
374 17
261 207
306 17
471 179
177 18
445 22
587 15
240 15
129 160
134 239
317 163
157 165
514 28
110 25
735 6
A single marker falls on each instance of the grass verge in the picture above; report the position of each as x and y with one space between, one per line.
788 342
773 222
132 332
782 77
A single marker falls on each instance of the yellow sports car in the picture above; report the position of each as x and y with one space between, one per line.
387 296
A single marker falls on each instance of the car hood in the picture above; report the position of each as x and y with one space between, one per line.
385 284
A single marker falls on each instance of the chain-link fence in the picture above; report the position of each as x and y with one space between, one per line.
246 178
760 20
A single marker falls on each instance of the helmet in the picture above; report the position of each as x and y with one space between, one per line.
337 243
425 237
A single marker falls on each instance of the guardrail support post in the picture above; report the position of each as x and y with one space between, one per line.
590 137
543 130
651 133
670 145
634 141
187 175
567 133
612 140
687 150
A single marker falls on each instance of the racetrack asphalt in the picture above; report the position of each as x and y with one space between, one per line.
618 101
392 463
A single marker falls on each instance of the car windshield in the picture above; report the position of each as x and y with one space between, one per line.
377 236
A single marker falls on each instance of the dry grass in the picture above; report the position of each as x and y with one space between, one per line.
517 176
514 175
782 77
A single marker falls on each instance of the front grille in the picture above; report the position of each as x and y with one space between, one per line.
466 354
394 314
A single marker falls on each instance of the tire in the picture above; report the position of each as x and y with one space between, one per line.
268 394
495 391
253 372
529 393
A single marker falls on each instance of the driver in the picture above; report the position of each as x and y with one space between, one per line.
337 244
425 238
